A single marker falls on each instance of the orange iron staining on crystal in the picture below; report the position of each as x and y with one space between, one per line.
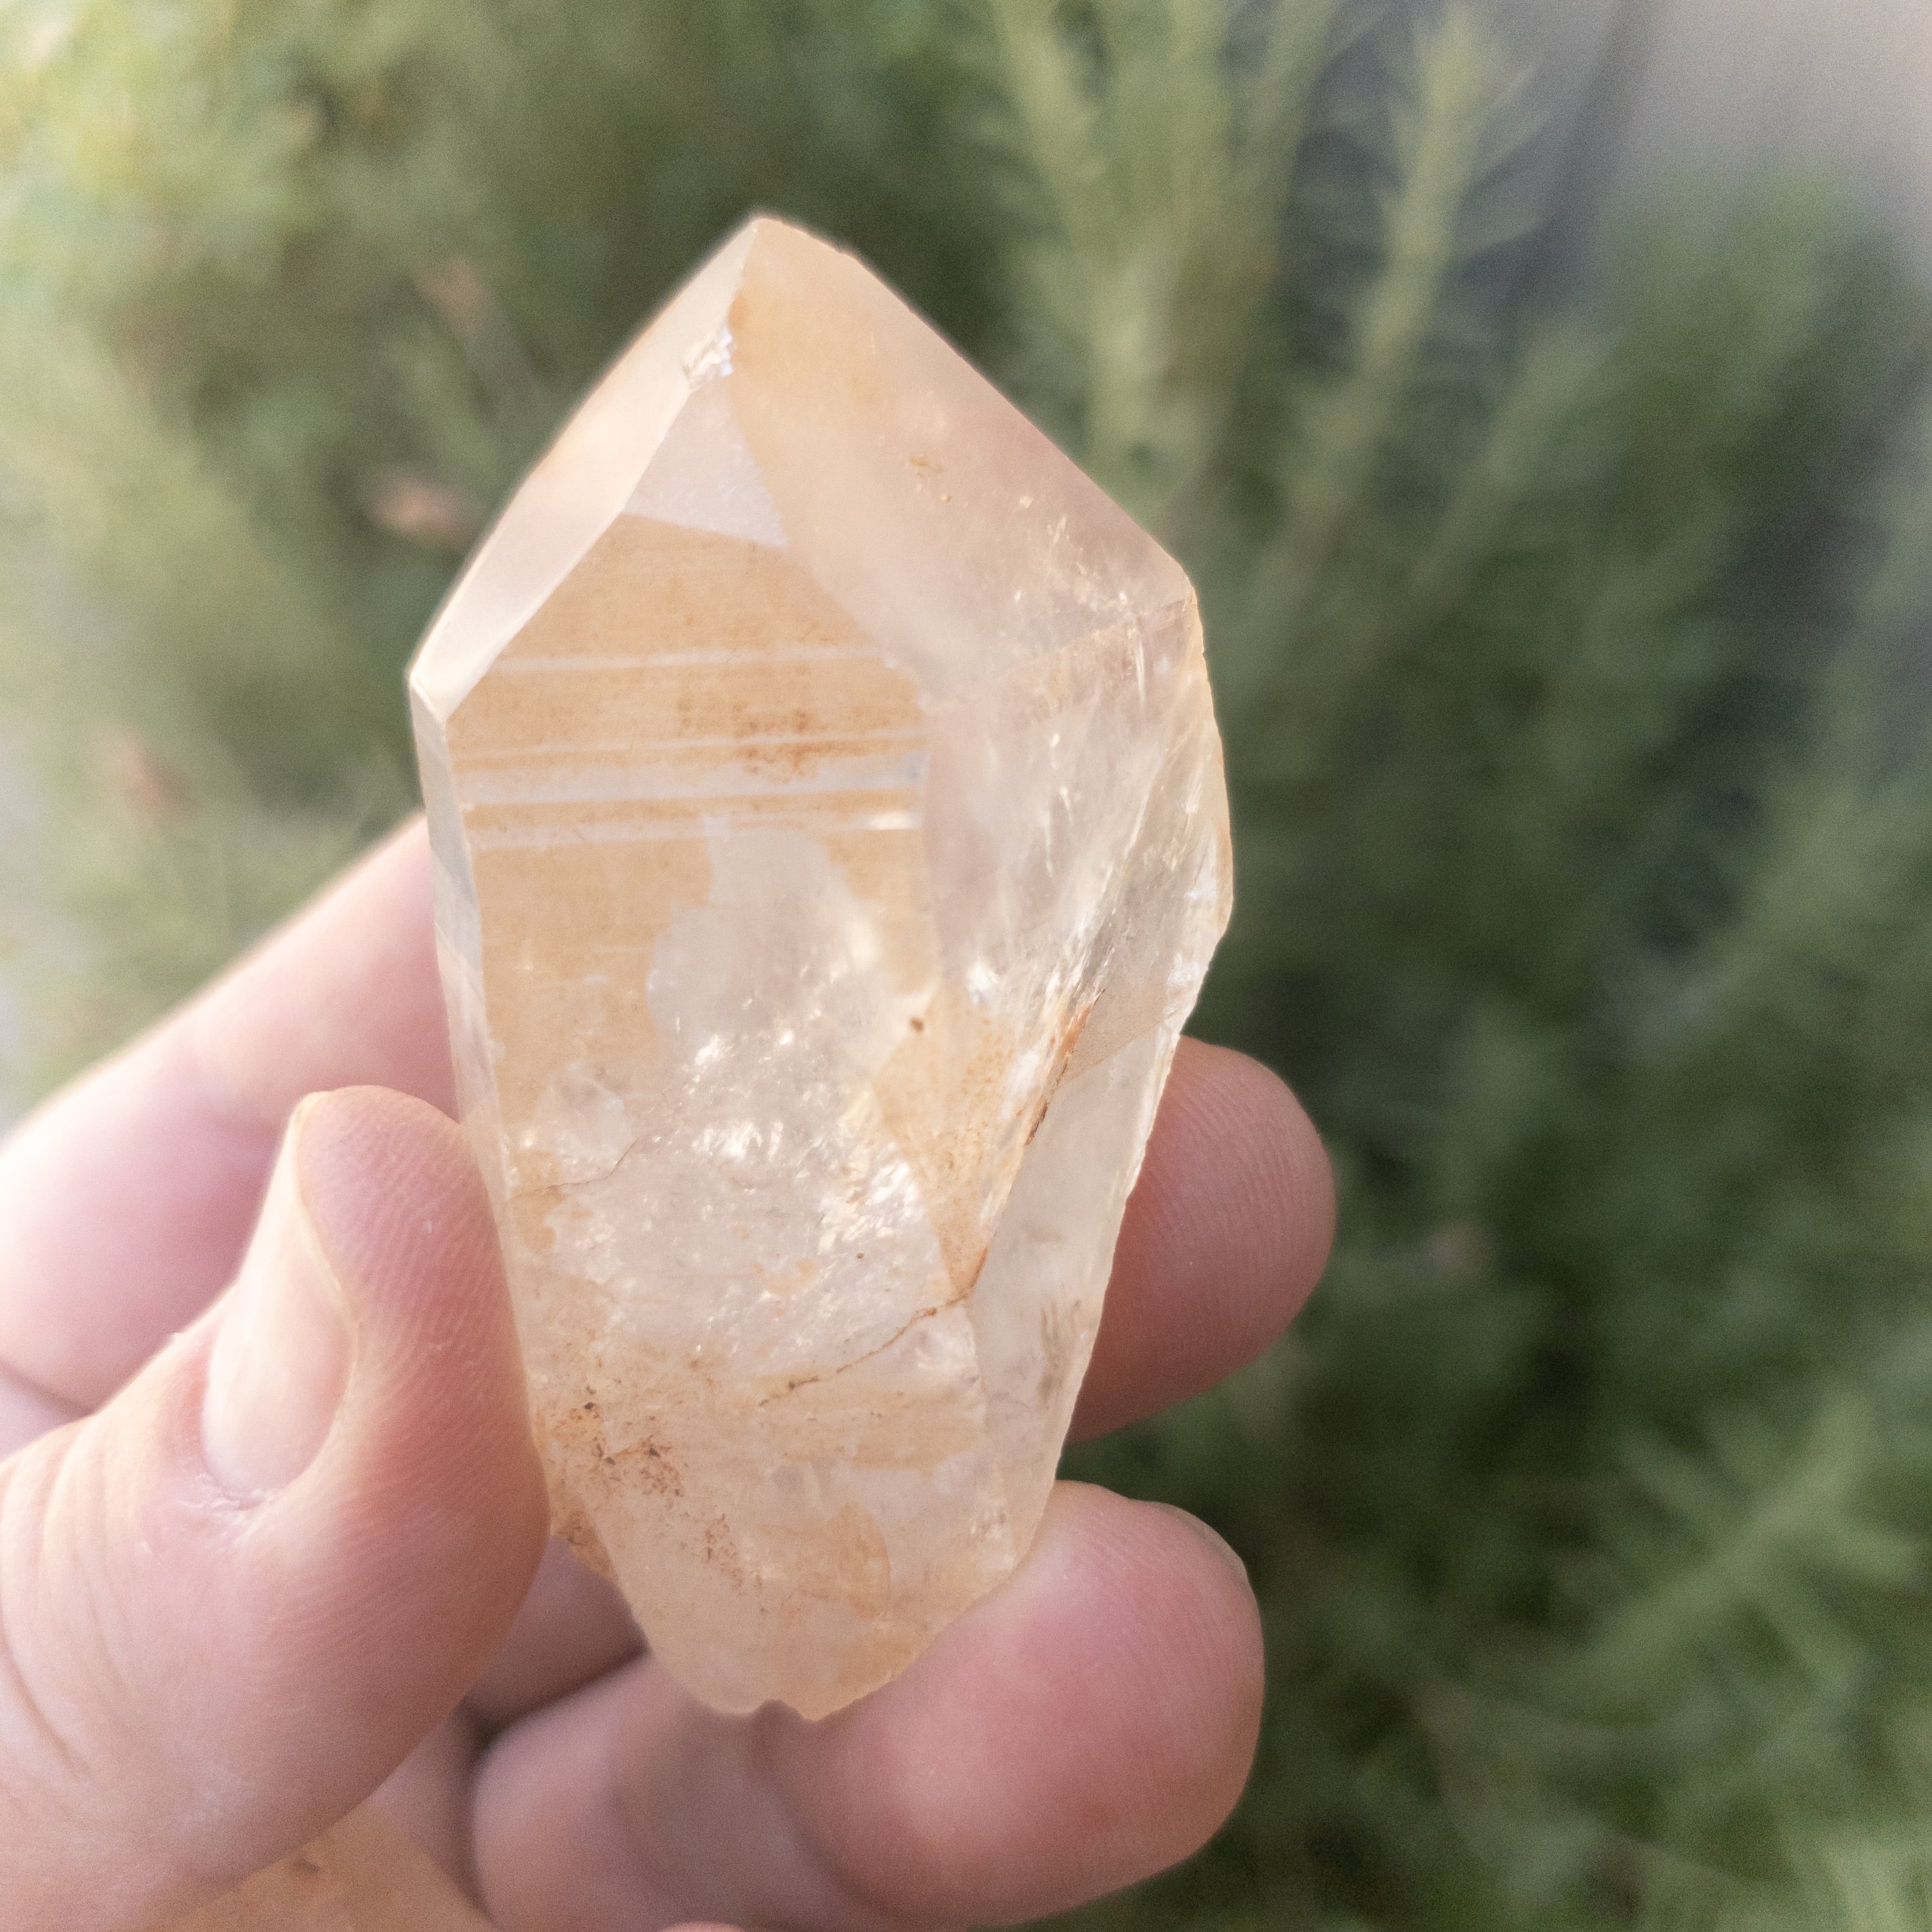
830 840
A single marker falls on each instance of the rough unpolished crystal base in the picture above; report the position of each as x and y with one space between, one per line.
831 838
362 1875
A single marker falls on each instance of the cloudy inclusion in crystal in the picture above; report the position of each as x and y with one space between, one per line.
830 839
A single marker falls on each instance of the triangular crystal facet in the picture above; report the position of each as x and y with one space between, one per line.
831 839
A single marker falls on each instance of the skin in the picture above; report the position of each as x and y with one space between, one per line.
197 1676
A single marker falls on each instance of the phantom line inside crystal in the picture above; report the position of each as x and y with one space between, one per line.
830 839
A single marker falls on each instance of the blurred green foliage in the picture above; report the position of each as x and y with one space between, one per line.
1571 663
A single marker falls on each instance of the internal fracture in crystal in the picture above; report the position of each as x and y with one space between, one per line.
830 839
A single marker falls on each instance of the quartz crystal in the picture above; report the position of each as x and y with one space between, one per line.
830 838
362 1875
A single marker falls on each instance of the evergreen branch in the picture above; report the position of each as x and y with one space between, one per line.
1442 119
1273 112
1560 369
133 877
1756 1526
1458 82
1164 176
1058 121
1894 604
128 498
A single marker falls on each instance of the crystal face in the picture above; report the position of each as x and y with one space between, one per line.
830 840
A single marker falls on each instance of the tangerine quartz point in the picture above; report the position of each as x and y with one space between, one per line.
830 840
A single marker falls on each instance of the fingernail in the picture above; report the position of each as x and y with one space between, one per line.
1213 1538
281 1359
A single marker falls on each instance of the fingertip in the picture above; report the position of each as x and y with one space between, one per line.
399 1209
441 1417
392 1186
1237 1175
1225 1234
1091 1723
401 1554
237 1635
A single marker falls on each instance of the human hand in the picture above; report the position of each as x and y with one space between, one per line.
263 1551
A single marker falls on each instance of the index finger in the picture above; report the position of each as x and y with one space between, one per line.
126 1201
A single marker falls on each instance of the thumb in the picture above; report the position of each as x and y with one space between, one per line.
233 1601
